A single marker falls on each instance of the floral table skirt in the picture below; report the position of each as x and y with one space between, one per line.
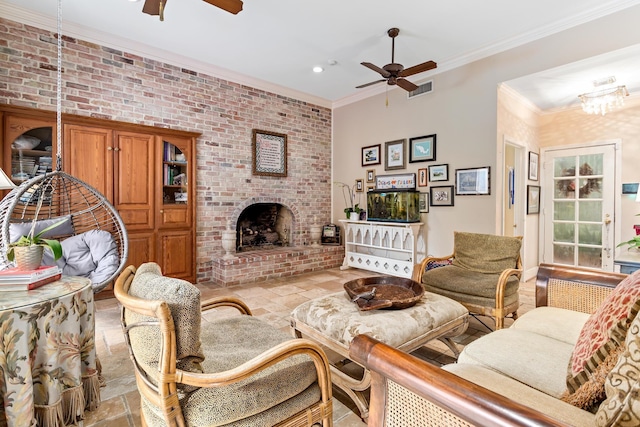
47 354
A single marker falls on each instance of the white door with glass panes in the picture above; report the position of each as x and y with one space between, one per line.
578 208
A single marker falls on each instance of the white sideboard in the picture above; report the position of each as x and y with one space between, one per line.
385 247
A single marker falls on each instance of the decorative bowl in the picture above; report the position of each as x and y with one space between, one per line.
25 142
390 292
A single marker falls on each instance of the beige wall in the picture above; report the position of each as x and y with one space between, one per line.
463 112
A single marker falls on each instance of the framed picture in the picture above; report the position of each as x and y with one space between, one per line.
422 149
533 166
269 153
473 181
371 155
359 186
423 202
439 173
370 188
371 175
441 196
533 199
423 181
395 158
404 180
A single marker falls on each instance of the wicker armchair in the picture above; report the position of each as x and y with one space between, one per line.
483 274
224 370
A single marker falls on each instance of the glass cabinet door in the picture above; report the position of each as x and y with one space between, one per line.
31 145
176 195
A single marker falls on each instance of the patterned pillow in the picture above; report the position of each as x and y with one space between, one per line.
595 332
622 388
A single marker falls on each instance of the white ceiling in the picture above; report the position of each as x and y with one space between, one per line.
273 44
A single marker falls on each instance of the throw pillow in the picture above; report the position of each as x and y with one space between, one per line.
485 253
596 330
622 388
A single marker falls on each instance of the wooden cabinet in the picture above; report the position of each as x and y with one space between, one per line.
145 172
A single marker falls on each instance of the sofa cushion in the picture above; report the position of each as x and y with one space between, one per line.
553 322
523 394
622 386
533 359
485 253
596 331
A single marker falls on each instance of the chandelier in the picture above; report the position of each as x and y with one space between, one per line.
604 100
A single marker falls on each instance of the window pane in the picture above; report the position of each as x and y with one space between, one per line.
591 164
563 254
590 234
564 166
564 211
590 211
590 257
563 232
565 189
591 188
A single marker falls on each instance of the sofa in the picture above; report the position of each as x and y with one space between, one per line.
574 360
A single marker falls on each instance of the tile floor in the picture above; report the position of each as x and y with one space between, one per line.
271 301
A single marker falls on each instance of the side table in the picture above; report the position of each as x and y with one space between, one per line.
628 260
47 354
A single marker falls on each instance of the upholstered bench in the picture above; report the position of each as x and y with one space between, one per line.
333 321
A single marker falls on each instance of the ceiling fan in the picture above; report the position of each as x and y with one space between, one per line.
156 7
394 74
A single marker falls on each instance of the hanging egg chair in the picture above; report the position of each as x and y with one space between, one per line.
90 230
92 234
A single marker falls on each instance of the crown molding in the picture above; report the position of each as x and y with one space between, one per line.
69 29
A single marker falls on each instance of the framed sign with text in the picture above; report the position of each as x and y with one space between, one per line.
269 153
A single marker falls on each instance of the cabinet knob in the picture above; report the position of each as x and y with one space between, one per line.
116 149
109 148
161 211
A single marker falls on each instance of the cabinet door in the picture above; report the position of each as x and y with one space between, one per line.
176 254
142 248
88 156
176 196
134 160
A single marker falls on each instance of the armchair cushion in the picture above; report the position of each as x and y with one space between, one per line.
485 253
456 279
183 299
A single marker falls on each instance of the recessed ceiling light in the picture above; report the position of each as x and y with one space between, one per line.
318 69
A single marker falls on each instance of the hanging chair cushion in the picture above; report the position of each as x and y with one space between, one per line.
19 229
93 254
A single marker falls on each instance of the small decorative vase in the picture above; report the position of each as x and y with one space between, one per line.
354 216
229 242
316 232
28 257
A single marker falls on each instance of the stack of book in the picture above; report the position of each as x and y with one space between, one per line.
13 279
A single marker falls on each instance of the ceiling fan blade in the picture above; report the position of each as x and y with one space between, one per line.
425 66
406 85
369 84
384 73
152 7
231 6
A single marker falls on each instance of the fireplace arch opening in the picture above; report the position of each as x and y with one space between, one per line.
264 226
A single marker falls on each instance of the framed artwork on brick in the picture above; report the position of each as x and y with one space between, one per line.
269 153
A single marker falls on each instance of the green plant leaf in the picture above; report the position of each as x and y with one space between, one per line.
55 247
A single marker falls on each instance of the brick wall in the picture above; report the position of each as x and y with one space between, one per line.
110 84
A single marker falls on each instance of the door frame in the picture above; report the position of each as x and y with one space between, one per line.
617 185
521 182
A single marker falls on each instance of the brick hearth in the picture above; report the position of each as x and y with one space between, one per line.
254 266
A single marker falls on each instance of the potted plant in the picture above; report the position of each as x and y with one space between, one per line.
633 243
27 251
352 209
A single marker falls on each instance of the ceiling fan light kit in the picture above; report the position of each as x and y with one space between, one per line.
393 73
156 7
